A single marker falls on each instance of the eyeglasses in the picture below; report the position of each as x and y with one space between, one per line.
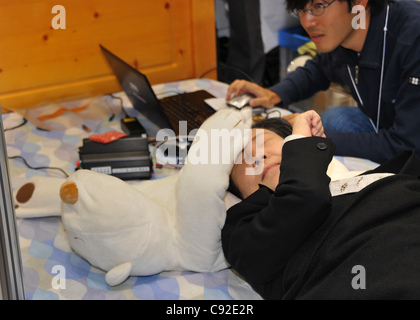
316 10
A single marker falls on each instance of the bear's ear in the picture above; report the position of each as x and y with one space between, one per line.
69 192
24 193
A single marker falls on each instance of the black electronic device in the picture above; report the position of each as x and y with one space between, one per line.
132 127
127 158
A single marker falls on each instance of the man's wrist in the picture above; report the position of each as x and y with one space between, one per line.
293 137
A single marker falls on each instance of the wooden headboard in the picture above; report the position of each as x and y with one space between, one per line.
168 40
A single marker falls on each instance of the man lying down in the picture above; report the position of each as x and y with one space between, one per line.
295 235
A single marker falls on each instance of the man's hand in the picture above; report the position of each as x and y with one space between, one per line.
263 97
308 124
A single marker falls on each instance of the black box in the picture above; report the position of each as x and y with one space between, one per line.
127 158
125 144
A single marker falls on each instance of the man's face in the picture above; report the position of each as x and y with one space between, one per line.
266 151
331 29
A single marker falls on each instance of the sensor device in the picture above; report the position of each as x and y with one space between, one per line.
127 158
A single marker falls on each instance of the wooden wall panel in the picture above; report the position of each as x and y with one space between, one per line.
168 40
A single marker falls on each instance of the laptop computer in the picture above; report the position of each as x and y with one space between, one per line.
11 275
166 112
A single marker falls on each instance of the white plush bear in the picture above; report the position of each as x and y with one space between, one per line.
172 223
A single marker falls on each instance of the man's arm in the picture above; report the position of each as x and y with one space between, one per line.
298 85
262 232
305 81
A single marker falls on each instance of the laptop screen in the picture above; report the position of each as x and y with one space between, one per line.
11 280
138 89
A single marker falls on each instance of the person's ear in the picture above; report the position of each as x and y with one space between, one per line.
363 3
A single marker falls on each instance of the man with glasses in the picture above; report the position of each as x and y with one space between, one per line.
378 59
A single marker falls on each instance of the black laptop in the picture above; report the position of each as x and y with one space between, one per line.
166 112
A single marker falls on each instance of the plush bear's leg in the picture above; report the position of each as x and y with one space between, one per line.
38 197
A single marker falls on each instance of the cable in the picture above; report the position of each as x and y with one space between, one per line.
382 71
274 111
24 160
38 168
232 68
24 121
122 104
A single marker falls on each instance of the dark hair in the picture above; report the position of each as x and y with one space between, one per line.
374 5
279 126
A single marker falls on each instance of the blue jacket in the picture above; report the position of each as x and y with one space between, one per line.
399 111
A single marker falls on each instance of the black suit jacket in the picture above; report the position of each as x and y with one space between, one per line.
298 242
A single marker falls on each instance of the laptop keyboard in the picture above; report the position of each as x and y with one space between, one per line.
179 108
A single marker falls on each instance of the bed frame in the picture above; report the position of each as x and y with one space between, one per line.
40 61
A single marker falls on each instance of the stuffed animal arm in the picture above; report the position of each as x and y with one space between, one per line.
201 188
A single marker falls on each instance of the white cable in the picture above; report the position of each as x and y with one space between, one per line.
382 71
354 85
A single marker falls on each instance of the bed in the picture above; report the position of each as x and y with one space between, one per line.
43 242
